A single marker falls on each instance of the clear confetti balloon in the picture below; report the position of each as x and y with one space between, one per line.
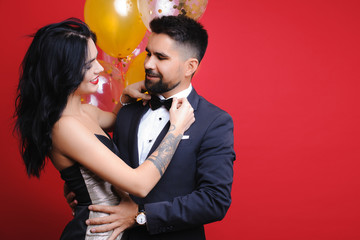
149 9
110 87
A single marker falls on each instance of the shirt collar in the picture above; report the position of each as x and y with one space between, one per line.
183 94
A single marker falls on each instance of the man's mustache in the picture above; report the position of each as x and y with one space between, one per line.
151 73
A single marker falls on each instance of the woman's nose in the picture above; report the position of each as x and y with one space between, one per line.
99 67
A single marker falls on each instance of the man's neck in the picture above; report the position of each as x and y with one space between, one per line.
180 93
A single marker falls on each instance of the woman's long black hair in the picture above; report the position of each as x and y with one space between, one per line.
52 69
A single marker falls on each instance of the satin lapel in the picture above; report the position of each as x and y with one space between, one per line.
193 99
133 137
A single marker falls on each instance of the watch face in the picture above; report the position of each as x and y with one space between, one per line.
141 219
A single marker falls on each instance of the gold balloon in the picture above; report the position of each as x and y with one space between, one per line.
149 9
117 24
136 70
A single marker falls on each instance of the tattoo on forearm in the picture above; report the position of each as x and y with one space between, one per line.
172 128
162 157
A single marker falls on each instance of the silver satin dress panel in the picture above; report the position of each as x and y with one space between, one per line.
101 193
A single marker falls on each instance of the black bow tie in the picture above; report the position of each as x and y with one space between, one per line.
156 102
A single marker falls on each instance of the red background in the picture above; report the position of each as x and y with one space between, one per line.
288 73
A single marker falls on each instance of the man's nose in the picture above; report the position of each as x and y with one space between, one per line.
149 63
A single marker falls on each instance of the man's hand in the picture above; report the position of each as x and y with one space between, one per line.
121 216
70 198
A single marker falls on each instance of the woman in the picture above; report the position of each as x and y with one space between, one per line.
58 68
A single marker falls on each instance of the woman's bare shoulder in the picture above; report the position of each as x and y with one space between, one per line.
65 121
67 125
69 132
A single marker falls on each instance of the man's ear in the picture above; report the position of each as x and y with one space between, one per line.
191 66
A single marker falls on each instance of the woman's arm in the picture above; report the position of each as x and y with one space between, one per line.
75 141
131 92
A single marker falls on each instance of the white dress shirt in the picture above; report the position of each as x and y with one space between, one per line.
152 123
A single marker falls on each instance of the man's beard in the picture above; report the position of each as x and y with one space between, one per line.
158 87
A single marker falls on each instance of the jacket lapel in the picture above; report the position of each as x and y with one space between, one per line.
193 99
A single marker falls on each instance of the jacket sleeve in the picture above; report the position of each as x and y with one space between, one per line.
211 198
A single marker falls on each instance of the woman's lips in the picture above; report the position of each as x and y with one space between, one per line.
95 81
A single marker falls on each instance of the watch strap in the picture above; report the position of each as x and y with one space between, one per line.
141 208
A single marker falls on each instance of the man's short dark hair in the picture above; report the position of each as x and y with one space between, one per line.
183 30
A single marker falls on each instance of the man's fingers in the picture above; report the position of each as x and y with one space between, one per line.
100 220
102 208
115 233
104 228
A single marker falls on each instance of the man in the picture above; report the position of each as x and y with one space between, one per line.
196 187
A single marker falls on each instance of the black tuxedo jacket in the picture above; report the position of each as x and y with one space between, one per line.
195 189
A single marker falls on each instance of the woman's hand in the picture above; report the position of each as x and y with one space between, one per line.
181 114
134 91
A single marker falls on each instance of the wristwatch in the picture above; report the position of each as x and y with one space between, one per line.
141 216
